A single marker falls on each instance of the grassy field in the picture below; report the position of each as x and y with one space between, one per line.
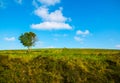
60 66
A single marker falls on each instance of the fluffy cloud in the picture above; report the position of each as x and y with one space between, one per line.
55 16
81 35
49 2
50 20
79 32
51 26
9 38
117 46
78 39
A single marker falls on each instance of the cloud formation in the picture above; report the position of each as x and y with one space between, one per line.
9 38
51 26
81 35
55 16
79 32
50 20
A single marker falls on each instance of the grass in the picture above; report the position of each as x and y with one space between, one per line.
60 66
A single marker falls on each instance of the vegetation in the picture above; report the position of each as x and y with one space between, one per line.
60 66
28 39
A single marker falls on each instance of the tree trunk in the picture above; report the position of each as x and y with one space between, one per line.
28 48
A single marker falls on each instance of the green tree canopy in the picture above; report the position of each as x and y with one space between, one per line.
28 39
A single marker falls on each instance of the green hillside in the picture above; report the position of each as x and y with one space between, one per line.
60 66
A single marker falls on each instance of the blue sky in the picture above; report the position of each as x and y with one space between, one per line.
61 23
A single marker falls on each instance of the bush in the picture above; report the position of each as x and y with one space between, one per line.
82 68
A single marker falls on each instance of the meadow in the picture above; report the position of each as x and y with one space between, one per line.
60 65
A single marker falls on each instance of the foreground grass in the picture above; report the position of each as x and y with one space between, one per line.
60 66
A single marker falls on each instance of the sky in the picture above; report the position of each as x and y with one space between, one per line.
61 23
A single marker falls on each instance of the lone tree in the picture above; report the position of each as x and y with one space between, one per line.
28 39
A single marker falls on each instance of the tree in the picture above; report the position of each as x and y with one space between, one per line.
28 39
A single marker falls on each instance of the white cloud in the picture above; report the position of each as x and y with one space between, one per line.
9 38
78 39
86 32
49 2
117 46
51 20
18 1
81 35
51 26
55 16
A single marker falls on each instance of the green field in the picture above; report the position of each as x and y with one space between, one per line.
60 66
